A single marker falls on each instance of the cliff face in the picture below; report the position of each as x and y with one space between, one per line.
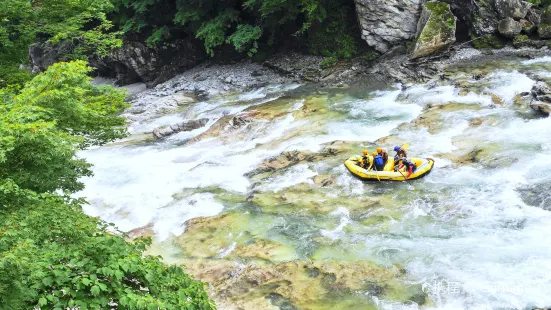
134 62
385 23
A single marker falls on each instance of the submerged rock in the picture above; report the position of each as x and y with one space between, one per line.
509 27
537 195
165 131
225 124
323 180
436 29
386 23
302 285
288 159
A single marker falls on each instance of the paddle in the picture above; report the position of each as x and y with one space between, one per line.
402 174
405 146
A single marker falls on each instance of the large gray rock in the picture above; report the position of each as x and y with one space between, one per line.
534 16
509 27
134 62
435 30
43 55
483 18
165 131
385 23
515 9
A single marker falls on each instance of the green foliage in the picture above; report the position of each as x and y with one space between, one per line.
521 38
12 76
329 62
77 107
334 36
56 114
53 256
23 21
244 24
213 32
369 56
487 42
541 3
246 37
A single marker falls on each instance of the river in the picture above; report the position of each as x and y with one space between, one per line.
473 234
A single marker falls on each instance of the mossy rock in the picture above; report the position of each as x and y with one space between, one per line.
544 31
488 42
438 26
304 285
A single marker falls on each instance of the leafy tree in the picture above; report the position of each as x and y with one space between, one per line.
53 256
81 24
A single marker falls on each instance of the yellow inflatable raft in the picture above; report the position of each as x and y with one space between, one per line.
424 166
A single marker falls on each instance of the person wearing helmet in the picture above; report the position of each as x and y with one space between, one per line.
410 166
382 153
400 154
364 161
378 161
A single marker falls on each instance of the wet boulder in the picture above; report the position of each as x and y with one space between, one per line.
541 98
165 131
435 29
288 159
541 92
515 9
543 108
509 27
537 195
323 180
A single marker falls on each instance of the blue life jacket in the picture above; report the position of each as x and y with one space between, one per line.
379 162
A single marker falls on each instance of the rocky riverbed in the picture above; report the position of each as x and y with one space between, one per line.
258 204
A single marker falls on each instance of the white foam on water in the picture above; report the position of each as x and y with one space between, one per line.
169 220
344 215
422 95
295 175
537 60
507 84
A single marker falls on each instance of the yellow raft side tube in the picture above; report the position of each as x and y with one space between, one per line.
424 167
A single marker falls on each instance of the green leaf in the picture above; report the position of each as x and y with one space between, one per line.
119 275
95 290
42 301
86 281
48 281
